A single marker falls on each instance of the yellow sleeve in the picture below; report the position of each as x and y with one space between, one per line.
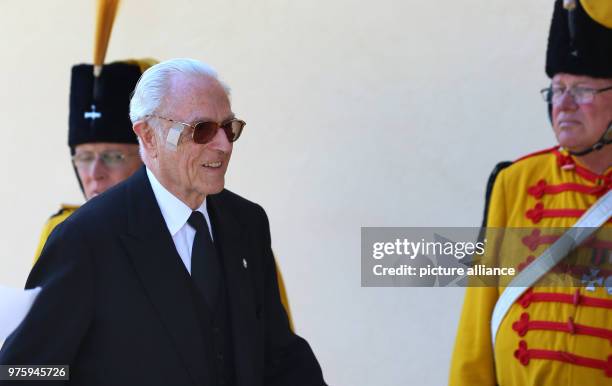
48 228
472 362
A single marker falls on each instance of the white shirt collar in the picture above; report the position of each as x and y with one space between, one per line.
175 212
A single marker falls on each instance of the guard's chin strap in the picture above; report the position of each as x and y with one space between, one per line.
76 173
606 139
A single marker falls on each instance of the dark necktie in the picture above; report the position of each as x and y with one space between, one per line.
206 270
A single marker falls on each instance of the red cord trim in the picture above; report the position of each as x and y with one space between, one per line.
541 188
524 355
523 325
576 299
535 239
539 152
566 162
570 269
538 213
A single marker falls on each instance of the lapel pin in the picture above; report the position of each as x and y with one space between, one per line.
244 263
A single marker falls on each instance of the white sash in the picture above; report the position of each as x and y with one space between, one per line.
590 221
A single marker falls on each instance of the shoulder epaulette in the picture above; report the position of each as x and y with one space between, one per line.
492 177
64 208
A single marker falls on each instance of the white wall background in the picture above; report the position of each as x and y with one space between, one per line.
386 113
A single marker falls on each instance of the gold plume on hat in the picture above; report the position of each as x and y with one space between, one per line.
105 17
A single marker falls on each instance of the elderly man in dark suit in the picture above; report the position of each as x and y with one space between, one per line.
167 278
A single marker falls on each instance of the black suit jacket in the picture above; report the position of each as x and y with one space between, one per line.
117 303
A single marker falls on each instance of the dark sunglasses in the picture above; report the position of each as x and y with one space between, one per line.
204 132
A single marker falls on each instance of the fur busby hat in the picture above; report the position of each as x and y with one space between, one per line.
580 39
99 106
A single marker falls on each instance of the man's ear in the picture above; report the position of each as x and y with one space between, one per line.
147 137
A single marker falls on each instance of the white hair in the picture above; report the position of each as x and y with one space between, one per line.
155 83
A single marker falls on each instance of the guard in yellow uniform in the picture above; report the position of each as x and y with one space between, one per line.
102 143
553 335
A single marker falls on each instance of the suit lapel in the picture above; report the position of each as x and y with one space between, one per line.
163 275
231 241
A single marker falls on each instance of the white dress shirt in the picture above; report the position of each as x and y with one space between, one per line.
176 213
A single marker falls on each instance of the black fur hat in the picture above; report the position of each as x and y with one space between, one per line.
100 113
580 39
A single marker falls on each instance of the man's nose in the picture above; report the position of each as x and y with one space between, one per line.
98 169
568 101
220 141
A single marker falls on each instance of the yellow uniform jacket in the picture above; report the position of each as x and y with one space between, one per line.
551 335
66 210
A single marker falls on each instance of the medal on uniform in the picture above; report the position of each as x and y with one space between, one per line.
592 279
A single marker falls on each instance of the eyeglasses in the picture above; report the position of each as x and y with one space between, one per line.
110 158
581 95
204 131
